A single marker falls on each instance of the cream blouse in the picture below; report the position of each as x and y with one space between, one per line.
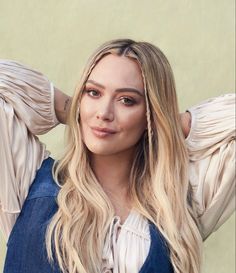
27 110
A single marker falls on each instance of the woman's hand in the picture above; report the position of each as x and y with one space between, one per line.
62 104
185 123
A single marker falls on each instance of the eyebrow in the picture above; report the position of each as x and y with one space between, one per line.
120 90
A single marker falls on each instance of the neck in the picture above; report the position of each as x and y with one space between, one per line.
113 172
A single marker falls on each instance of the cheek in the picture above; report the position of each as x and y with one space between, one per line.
135 122
86 111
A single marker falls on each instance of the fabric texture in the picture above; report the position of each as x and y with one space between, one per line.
39 207
27 109
122 240
211 146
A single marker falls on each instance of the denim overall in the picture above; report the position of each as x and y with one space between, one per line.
26 252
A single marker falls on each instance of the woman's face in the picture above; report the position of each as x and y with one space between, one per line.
113 108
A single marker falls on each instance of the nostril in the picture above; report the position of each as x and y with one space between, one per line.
105 116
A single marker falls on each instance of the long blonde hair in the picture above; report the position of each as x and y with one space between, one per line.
159 185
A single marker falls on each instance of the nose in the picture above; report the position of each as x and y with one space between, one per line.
106 111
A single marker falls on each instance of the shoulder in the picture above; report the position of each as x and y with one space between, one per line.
44 184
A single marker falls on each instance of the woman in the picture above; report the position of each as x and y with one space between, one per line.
119 200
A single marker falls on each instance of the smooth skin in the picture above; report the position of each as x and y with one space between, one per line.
113 119
62 105
113 100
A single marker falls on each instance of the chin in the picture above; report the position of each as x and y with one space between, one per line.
109 150
98 150
102 153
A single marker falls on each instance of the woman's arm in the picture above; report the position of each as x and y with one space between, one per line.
185 123
62 104
30 94
26 109
211 147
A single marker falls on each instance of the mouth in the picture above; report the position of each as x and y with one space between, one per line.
103 132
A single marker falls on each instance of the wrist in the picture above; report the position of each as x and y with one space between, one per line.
62 105
185 123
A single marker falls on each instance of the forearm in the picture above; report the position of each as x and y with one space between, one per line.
185 123
62 104
29 93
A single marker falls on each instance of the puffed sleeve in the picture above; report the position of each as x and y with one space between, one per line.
31 95
26 109
211 147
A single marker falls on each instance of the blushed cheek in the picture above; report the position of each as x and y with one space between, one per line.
137 130
84 115
87 111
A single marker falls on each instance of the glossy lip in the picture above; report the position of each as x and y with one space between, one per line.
103 132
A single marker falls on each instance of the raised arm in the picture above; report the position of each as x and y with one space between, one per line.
185 123
62 105
26 109
211 146
31 95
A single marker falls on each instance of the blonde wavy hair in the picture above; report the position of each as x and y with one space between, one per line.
159 185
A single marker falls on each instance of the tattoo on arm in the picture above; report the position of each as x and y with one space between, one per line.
66 104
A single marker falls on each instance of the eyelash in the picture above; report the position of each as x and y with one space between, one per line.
131 101
89 91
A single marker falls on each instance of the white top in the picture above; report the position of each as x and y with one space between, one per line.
27 109
127 252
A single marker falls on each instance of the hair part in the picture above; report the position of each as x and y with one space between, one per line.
159 185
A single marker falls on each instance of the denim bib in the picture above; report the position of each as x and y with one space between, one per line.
26 250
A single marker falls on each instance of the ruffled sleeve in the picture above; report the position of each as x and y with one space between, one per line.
211 147
26 109
31 95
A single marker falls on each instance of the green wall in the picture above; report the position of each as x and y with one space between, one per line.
56 37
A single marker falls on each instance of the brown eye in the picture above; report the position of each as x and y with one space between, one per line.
127 101
93 93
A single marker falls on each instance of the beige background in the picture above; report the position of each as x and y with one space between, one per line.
56 37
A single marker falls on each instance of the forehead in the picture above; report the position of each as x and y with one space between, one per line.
114 70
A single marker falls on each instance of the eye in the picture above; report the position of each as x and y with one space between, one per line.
93 93
127 101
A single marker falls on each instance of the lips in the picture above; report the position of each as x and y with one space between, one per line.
102 131
105 130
